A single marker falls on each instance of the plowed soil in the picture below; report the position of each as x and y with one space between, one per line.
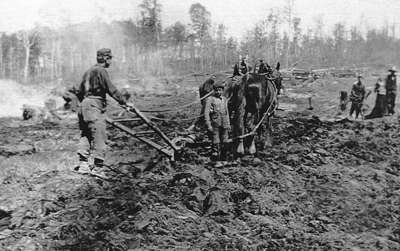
325 184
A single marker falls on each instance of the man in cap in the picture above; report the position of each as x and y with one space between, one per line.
217 120
236 71
391 89
243 66
357 96
91 92
262 68
236 68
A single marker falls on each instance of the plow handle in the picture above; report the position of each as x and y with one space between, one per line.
131 108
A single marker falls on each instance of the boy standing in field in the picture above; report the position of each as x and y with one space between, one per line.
217 120
357 96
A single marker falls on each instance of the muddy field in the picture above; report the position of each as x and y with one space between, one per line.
326 184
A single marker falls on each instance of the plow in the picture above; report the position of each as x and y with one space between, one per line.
149 132
140 126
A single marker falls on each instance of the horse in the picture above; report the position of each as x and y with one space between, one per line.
250 98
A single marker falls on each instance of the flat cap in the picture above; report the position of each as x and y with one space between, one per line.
218 84
104 52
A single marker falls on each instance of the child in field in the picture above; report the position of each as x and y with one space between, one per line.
357 97
217 120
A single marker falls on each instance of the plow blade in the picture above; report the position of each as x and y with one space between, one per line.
163 144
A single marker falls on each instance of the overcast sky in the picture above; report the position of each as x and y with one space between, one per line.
237 15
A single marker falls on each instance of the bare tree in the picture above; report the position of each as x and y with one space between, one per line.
201 23
2 68
339 39
273 19
288 10
296 35
176 35
151 21
28 39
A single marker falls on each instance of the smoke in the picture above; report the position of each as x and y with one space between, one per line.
14 95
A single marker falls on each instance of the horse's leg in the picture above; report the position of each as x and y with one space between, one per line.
239 125
255 118
246 117
268 136
252 148
231 108
247 121
277 105
252 118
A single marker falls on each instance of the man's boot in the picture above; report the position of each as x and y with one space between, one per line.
98 163
215 151
83 166
221 156
97 167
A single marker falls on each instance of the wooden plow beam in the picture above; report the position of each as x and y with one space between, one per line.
164 145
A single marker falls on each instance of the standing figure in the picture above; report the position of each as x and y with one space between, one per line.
236 71
357 96
243 66
236 68
217 120
91 92
380 108
391 90
344 99
262 68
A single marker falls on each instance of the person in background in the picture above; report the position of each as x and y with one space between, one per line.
380 108
357 96
244 66
262 68
391 90
236 68
344 99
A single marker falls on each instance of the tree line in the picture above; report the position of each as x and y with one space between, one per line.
145 47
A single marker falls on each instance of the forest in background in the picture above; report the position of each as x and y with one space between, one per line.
145 47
